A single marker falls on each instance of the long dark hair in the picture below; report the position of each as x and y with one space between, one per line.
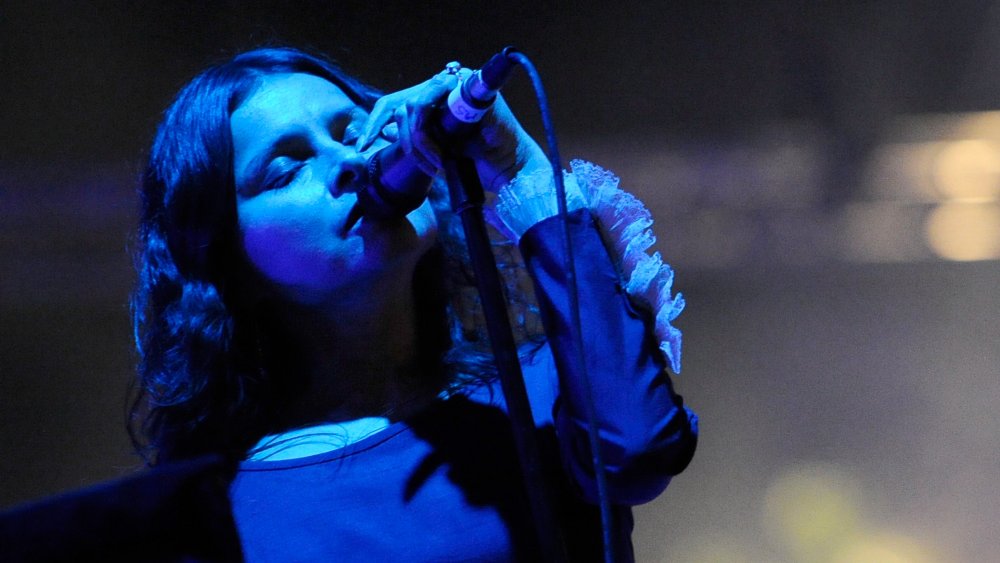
202 386
207 380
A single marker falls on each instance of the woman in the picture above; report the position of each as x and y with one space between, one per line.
333 358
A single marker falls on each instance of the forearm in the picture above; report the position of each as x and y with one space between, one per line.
646 434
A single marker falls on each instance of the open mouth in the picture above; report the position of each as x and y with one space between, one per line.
353 216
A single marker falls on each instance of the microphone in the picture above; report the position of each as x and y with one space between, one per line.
395 184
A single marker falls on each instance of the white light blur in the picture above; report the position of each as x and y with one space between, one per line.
964 231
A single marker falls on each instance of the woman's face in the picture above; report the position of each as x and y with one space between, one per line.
297 170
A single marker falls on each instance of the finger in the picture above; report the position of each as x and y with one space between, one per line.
425 149
421 111
414 142
380 115
435 89
383 111
430 98
391 131
402 120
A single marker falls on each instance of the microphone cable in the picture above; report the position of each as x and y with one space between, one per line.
574 298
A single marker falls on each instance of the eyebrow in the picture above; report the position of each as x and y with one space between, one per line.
255 168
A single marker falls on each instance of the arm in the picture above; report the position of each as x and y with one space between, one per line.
646 433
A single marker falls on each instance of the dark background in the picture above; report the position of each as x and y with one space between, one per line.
845 371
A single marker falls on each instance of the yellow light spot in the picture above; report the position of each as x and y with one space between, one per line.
884 548
979 125
964 231
968 169
811 510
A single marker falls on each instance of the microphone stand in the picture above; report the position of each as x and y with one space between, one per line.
466 193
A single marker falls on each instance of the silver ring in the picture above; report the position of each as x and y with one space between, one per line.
454 67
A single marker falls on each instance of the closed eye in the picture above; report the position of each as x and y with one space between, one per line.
281 172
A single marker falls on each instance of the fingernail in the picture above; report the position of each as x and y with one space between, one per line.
391 131
362 141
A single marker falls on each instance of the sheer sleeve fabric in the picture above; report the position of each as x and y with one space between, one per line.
625 227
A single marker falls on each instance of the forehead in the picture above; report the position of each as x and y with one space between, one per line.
282 105
282 99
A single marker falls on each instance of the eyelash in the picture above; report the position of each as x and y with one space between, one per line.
286 168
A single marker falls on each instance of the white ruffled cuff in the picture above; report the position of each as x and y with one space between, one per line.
626 227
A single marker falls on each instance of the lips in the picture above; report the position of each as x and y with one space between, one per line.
353 216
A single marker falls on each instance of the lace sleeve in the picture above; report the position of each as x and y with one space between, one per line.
626 228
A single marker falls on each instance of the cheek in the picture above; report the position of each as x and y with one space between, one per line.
291 246
295 245
277 253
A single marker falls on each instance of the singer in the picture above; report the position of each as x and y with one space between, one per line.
337 359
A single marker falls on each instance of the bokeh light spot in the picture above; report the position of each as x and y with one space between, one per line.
964 231
968 169
883 548
811 509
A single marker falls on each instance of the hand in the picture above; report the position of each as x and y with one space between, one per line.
499 145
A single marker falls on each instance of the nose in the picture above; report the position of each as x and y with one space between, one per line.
346 171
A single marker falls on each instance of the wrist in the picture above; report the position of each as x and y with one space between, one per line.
527 159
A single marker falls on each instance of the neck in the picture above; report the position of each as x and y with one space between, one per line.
357 356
